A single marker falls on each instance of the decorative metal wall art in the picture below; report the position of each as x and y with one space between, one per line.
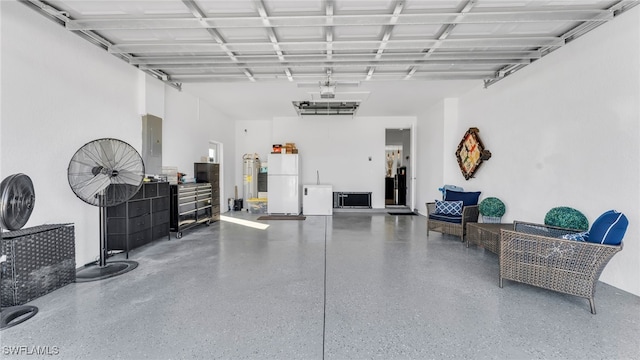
471 153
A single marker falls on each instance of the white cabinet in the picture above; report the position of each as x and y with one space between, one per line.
317 200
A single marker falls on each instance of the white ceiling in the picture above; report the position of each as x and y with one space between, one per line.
252 58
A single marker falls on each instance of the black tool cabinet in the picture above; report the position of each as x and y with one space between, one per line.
190 206
210 173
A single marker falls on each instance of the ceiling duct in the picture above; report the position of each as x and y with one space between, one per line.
304 108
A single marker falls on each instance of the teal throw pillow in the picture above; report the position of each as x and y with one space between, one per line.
566 217
492 206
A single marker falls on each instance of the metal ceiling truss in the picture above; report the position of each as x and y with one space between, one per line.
62 17
614 10
331 20
201 17
403 43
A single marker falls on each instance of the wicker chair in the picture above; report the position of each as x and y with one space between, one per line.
469 214
535 254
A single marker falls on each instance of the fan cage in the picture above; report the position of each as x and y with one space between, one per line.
106 172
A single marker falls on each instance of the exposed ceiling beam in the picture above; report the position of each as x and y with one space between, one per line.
496 17
374 42
442 55
336 64
201 17
262 11
444 33
399 5
328 30
63 18
490 43
350 76
614 10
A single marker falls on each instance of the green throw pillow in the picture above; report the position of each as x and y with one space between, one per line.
492 206
566 217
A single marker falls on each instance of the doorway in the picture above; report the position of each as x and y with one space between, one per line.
397 168
215 155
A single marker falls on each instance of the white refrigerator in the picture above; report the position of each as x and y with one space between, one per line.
283 186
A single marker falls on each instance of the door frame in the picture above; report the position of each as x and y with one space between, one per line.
220 154
412 164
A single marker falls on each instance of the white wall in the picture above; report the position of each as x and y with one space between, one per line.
253 137
563 132
339 148
216 126
59 92
182 143
151 95
430 155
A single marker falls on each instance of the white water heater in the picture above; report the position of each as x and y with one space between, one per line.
251 167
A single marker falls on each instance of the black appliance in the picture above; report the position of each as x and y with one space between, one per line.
401 186
389 191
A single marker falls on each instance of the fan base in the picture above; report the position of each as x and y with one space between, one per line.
111 269
15 315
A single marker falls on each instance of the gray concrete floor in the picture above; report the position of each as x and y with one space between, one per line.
351 286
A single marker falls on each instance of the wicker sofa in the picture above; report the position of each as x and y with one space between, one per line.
447 226
536 254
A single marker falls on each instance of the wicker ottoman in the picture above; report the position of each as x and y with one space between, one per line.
39 260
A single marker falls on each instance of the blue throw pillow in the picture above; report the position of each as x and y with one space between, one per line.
609 228
467 197
449 207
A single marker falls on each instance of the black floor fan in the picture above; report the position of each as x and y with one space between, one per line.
105 172
17 199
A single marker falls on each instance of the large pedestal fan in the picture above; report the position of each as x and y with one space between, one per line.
105 172
17 199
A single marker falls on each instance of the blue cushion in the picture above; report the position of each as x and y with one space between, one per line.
609 228
467 197
581 236
449 207
448 218
446 188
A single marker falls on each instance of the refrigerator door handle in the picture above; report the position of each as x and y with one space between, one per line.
305 191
